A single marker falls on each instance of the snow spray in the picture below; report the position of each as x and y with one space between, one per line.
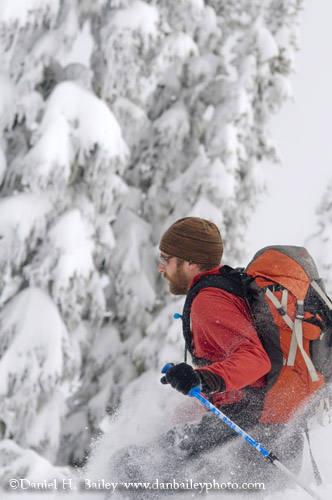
196 393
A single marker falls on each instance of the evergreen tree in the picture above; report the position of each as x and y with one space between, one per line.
320 243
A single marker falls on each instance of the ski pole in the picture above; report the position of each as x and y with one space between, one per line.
196 393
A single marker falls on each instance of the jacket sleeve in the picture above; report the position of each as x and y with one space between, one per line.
224 335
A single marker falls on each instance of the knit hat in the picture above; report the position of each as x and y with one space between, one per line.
194 239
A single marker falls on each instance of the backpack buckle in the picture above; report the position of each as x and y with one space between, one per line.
281 311
299 309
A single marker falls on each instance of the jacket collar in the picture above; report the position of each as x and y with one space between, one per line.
204 273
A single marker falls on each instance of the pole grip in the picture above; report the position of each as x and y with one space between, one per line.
194 392
167 367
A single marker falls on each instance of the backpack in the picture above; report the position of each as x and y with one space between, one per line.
292 315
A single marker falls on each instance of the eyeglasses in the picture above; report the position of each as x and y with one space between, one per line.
164 260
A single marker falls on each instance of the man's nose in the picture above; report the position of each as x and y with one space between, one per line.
161 268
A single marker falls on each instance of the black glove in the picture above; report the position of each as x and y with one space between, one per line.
182 377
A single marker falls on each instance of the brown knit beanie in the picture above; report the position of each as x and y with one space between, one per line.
194 239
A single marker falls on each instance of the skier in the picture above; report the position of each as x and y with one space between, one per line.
229 360
230 367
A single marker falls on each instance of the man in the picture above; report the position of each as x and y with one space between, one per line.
223 337
230 361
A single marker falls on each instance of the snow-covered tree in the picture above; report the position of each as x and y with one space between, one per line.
63 161
116 118
320 243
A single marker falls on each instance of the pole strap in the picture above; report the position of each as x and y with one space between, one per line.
297 480
317 475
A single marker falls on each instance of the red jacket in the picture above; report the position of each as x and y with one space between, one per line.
223 333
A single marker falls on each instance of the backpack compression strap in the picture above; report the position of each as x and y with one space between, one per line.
297 329
322 294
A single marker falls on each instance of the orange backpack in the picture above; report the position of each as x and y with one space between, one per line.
293 318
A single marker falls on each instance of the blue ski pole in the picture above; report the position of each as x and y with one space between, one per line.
196 393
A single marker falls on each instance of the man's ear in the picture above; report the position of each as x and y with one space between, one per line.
193 267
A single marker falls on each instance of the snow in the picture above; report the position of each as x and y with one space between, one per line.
66 263
283 37
90 119
71 238
267 46
17 462
282 88
47 425
198 68
173 119
82 125
221 180
82 48
208 113
207 210
3 165
22 13
138 16
29 106
31 326
26 210
140 417
132 257
208 31
48 154
225 143
169 407
149 351
7 97
36 354
177 46
27 222
133 120
244 106
248 71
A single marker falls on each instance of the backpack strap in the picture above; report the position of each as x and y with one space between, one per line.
297 329
322 294
230 280
298 334
281 306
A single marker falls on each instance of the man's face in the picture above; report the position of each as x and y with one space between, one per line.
175 271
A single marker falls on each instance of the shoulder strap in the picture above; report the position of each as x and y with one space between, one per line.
230 280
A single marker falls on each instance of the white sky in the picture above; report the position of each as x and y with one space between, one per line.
303 133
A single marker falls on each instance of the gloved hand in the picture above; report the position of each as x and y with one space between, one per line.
182 377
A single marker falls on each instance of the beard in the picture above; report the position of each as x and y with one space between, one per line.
178 284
